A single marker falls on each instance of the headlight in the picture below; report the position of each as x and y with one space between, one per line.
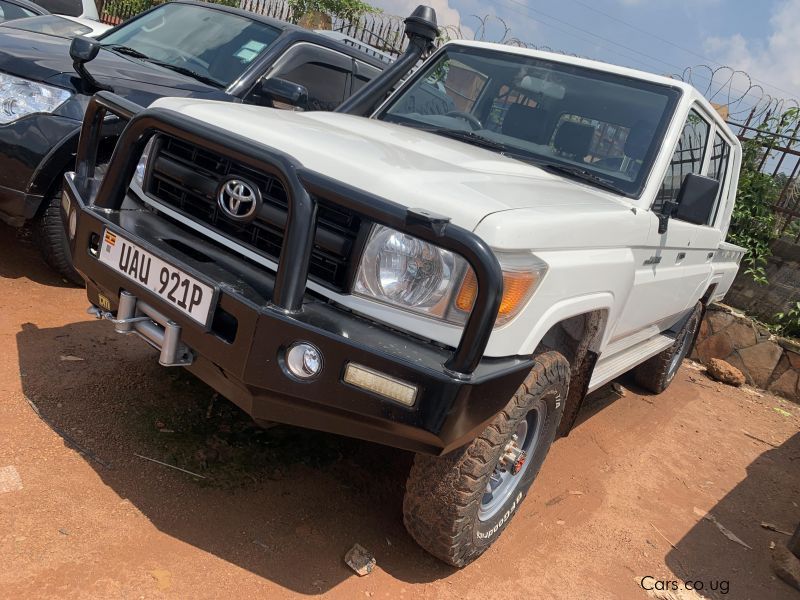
407 272
414 275
138 175
20 97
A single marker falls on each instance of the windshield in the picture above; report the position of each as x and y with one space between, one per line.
213 45
600 127
10 12
51 25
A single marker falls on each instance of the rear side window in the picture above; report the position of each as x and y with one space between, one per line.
71 8
718 168
363 75
688 158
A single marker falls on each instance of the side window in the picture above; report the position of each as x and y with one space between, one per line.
688 158
326 84
324 73
364 74
718 169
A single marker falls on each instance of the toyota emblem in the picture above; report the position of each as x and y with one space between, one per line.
238 199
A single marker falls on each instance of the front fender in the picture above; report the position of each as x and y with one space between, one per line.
571 307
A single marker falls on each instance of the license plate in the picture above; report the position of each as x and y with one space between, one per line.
192 297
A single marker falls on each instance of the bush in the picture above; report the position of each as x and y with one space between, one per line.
753 218
788 323
349 10
125 9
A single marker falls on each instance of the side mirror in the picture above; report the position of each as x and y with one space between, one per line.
280 90
695 203
83 49
697 198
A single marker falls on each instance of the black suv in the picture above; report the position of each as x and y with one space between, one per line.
182 48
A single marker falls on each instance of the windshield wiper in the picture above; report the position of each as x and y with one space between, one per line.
583 175
469 137
127 51
194 74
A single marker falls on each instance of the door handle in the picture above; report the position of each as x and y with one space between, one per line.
680 257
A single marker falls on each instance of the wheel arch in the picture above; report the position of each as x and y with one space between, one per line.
576 330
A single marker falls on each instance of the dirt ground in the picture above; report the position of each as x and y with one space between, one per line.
619 500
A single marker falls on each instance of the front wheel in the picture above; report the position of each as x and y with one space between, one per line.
457 505
52 241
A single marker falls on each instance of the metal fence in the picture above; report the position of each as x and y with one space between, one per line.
779 157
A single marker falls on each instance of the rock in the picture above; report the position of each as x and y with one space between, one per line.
618 389
705 330
718 345
790 345
725 372
794 358
760 361
735 361
786 384
10 481
786 565
718 319
360 560
741 334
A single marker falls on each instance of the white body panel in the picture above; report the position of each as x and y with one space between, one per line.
599 247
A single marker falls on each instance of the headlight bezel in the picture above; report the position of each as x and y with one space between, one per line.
444 308
46 98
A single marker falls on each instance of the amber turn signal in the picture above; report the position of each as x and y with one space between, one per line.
517 288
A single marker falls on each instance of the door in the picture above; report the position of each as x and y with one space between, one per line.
674 267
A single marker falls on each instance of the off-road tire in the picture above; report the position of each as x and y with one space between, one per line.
51 238
444 494
656 373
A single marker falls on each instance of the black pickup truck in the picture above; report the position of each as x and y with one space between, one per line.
184 49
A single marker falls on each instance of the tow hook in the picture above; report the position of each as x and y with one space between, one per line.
513 458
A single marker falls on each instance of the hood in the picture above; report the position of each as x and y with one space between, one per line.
408 166
42 57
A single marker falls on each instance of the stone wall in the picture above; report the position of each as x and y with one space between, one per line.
764 301
767 361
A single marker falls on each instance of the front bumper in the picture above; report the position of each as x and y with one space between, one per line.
255 321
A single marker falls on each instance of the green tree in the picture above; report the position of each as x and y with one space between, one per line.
349 10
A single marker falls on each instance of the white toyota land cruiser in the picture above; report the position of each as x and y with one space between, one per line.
448 270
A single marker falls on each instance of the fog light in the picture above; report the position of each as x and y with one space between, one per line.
73 224
303 360
384 385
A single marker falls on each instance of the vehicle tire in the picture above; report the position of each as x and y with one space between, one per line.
655 374
457 505
52 240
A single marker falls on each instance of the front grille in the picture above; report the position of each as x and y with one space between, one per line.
186 178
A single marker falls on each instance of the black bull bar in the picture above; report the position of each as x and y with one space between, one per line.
302 186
